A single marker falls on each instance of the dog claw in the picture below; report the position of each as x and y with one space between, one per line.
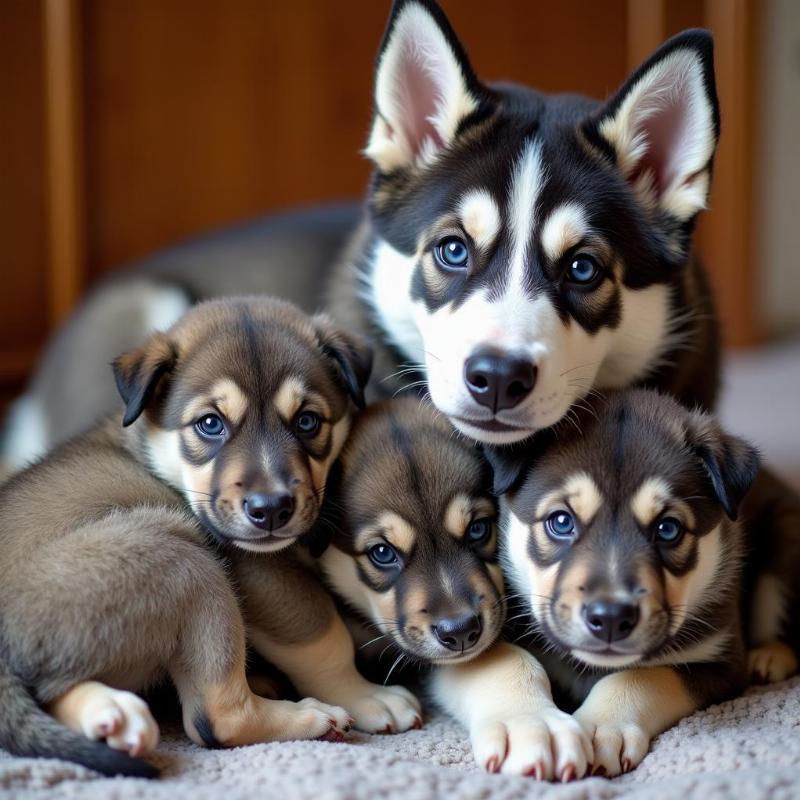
493 764
568 773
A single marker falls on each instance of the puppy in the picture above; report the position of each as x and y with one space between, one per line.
413 553
232 420
623 545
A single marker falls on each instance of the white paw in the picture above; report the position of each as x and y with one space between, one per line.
772 662
546 744
618 746
383 709
122 719
317 720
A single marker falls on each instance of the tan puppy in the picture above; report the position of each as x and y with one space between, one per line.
415 556
633 571
109 583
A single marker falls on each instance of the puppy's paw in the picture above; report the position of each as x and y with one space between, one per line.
546 744
383 709
618 746
312 719
772 662
122 719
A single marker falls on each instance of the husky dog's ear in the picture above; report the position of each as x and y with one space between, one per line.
138 373
425 87
351 357
730 463
661 128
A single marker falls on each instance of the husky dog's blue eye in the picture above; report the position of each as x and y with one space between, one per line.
307 423
479 531
669 530
382 555
210 425
583 270
560 525
452 253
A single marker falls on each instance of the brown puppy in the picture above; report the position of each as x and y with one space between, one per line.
234 417
623 545
414 554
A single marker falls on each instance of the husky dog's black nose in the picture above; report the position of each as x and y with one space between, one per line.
610 621
497 381
269 511
459 633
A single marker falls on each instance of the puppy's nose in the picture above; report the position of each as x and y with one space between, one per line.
459 633
497 381
269 511
610 621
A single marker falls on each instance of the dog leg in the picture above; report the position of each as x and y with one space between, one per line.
771 662
625 710
219 709
324 667
97 711
503 698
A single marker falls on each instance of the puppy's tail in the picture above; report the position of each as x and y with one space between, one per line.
27 730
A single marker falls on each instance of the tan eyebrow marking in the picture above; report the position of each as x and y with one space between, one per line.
649 500
480 217
563 229
457 515
583 495
394 529
289 397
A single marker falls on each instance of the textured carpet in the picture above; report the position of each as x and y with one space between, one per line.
746 749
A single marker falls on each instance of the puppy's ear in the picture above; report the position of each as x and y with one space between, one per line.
730 463
351 357
138 373
661 128
509 464
425 88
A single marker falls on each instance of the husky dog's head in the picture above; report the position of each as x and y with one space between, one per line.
415 547
527 247
620 536
243 406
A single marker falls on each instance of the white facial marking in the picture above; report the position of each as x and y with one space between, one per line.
563 229
480 217
527 181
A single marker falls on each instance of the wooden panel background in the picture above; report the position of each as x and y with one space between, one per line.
128 126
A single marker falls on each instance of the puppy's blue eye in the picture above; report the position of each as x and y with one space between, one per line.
307 423
669 530
382 555
583 270
210 425
452 253
560 525
479 531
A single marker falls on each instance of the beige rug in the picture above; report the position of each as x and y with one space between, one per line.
745 749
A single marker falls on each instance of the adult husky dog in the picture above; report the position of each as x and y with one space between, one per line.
519 249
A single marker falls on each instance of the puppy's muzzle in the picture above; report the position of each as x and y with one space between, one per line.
268 512
459 633
498 381
610 621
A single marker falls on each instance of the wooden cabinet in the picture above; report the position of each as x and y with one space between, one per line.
127 126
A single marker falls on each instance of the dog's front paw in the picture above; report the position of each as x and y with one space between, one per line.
618 746
546 744
383 709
